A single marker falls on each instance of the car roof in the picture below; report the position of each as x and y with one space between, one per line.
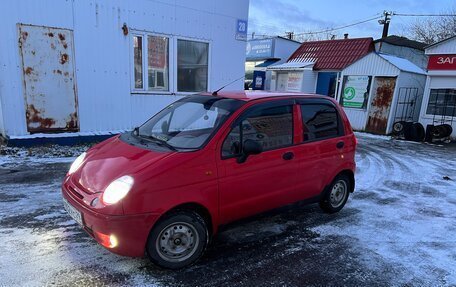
255 95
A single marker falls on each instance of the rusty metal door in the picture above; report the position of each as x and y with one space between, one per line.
49 83
380 105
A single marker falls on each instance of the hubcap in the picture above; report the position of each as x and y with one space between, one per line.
338 193
177 242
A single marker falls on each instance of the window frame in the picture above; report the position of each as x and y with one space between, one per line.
429 101
255 107
176 69
340 123
172 63
366 98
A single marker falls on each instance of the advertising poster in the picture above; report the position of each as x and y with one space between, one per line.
356 90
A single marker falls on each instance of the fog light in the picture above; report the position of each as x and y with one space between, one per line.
108 241
113 241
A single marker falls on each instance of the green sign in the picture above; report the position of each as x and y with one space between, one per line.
355 91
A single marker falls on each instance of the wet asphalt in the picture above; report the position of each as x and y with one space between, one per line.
398 228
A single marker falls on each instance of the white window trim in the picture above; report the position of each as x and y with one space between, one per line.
209 64
145 90
172 64
428 99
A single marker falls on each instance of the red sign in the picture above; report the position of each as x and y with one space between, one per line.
442 62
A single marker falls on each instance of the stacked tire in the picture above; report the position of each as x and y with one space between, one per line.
409 131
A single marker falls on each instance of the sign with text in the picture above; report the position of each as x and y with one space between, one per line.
356 90
241 30
294 82
442 62
259 49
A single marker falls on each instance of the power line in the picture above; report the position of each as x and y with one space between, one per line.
338 28
424 15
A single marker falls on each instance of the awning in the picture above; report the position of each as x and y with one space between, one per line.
290 66
267 63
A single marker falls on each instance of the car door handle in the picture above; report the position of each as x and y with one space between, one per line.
340 145
288 155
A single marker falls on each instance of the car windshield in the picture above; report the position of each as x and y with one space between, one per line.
189 122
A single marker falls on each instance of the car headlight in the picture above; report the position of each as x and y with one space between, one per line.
117 189
77 163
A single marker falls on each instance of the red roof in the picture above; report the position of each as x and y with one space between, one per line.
332 54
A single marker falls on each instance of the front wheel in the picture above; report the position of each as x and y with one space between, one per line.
337 195
178 240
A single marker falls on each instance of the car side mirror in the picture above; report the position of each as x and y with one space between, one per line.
250 147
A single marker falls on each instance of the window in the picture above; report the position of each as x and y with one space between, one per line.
138 58
320 122
273 127
355 91
192 66
154 54
442 102
157 64
190 122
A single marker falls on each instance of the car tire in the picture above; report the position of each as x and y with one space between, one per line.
178 240
335 197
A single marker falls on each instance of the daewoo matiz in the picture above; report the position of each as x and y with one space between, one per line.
206 160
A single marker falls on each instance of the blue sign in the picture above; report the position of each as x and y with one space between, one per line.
258 80
241 30
259 49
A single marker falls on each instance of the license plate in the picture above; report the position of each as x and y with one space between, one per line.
73 212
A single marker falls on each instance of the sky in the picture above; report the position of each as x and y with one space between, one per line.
275 17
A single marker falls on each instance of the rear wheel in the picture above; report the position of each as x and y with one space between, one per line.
337 195
178 240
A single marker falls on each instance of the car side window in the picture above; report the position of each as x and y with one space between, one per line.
320 122
272 127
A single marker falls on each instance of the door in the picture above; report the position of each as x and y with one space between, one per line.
263 181
49 84
282 79
380 105
321 153
326 83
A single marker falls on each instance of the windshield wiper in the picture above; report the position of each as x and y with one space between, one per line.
159 142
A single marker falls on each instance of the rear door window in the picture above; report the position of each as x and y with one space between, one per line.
320 122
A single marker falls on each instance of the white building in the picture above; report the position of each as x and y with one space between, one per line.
378 90
439 103
261 54
92 67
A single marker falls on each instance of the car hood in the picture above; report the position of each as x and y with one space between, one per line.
112 159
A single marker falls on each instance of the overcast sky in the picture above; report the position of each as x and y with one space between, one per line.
274 17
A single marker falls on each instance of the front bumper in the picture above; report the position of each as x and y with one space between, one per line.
131 231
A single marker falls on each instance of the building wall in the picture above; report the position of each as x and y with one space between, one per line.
103 55
437 80
407 80
446 47
415 56
370 65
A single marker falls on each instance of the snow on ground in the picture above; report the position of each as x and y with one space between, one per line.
398 228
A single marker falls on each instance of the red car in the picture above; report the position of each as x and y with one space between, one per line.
206 160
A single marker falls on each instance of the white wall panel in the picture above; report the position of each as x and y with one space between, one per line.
102 53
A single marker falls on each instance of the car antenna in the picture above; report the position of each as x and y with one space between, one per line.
215 92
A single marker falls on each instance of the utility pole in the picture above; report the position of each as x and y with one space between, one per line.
385 22
290 35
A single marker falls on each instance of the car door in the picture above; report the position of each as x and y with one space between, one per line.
321 151
263 181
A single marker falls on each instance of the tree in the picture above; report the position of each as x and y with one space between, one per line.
433 29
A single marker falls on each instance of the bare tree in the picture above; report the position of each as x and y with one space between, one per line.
433 29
